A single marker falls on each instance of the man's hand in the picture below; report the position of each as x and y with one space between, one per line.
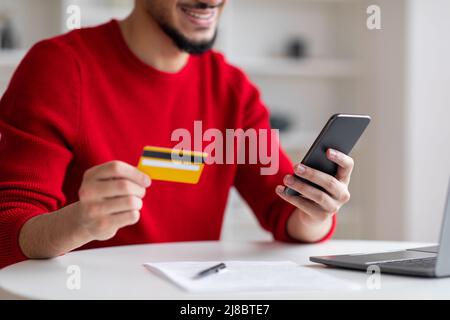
110 198
315 208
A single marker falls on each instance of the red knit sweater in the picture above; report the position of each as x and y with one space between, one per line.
82 99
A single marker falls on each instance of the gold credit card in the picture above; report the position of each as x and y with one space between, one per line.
173 165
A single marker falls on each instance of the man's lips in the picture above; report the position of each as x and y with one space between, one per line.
200 17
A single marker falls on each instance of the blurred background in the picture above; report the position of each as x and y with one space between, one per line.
313 58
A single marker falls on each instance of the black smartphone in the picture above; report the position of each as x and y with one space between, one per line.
341 133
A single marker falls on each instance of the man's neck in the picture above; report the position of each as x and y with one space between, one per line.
150 44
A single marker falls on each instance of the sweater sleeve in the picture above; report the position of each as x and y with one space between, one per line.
256 188
38 121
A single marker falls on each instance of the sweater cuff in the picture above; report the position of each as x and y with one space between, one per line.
281 233
10 226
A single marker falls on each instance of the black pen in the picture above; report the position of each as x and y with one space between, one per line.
212 270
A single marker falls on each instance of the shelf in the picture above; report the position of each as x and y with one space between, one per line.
311 1
95 17
307 67
11 58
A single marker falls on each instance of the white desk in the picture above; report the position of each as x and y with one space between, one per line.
117 272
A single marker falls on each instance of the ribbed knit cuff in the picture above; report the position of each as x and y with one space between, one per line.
11 224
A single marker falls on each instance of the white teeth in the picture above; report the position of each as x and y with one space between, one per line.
204 16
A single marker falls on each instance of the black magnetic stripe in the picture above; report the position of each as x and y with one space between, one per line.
168 156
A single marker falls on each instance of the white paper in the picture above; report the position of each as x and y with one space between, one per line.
248 275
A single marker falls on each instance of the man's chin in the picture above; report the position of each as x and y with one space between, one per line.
199 37
191 44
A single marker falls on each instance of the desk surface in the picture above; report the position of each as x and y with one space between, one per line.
117 272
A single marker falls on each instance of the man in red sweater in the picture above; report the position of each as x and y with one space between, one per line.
79 110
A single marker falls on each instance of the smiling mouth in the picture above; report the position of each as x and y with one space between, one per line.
203 17
202 14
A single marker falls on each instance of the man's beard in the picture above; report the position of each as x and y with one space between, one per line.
186 45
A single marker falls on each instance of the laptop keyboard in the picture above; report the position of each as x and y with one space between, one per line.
415 263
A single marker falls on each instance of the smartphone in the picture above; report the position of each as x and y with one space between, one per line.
341 133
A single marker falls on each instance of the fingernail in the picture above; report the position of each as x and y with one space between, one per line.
300 169
147 181
289 180
332 153
279 189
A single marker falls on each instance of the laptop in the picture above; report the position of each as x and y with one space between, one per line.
433 262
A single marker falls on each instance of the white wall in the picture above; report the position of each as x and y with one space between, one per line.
382 95
33 19
428 115
407 91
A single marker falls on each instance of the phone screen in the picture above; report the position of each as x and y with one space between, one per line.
341 132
